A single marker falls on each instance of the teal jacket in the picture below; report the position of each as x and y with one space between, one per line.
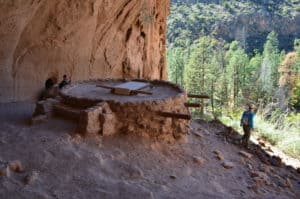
250 117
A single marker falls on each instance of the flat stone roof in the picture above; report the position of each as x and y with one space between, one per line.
88 90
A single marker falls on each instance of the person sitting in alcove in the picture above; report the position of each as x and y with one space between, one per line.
64 82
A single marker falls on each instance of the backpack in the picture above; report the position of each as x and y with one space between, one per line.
246 118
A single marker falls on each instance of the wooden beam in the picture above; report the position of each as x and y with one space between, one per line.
193 105
129 92
203 96
175 115
133 92
103 86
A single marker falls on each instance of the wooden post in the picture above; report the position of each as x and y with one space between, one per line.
203 96
192 105
175 115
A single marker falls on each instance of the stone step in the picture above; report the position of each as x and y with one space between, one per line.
66 112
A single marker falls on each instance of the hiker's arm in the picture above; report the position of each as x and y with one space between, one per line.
241 121
251 121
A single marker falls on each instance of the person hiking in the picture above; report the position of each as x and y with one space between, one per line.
64 82
247 123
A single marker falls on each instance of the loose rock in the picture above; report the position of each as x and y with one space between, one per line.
16 166
261 143
276 161
173 177
228 165
198 160
219 155
260 178
4 169
245 154
31 178
196 133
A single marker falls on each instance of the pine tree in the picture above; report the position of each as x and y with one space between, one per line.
195 75
269 68
176 58
237 61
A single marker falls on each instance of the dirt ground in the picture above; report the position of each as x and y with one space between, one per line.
56 163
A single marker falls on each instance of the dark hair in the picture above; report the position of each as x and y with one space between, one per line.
65 76
251 106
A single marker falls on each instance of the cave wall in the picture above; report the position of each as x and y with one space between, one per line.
81 38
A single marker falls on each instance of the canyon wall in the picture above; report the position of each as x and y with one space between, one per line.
251 30
81 38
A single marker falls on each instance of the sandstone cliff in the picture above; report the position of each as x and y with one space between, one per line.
83 39
248 22
252 29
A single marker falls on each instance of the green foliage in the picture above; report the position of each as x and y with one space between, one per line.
297 46
292 121
269 75
278 118
176 58
287 138
201 56
236 72
295 95
253 69
205 71
191 19
230 76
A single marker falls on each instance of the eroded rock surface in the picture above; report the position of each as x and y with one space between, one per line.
83 39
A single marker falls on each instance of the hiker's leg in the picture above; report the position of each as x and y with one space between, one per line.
247 136
244 136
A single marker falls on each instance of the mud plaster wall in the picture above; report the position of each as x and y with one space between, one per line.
81 38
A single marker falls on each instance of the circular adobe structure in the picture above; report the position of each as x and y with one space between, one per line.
86 93
109 106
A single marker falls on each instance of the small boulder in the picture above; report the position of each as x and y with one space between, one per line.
196 133
198 160
261 143
260 178
245 154
16 166
219 155
31 177
4 169
250 167
228 165
269 149
276 161
289 184
282 182
173 177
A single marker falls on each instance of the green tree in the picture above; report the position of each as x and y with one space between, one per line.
269 75
196 70
216 80
176 58
237 61
253 70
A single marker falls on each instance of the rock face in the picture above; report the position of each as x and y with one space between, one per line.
83 39
252 29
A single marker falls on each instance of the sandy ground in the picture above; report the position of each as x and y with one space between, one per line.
61 165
